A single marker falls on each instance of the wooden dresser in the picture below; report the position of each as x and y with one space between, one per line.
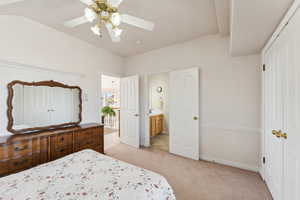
20 152
156 124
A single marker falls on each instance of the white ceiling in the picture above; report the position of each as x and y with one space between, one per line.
250 22
223 16
176 21
253 22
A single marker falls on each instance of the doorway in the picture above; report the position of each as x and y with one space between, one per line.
172 116
110 111
159 111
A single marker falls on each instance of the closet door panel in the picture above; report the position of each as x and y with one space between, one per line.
282 112
292 110
36 111
274 116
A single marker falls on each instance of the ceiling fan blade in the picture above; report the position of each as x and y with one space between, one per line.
5 2
138 22
76 22
110 32
87 2
114 3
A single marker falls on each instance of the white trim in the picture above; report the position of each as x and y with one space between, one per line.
290 13
146 135
230 163
22 66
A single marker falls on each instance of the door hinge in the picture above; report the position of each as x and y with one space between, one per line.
264 160
264 67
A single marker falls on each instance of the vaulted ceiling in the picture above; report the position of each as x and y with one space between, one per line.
249 22
253 22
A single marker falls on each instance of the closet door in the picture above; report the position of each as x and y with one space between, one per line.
273 121
282 112
63 105
291 39
36 111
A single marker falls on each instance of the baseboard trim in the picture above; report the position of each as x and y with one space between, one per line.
231 163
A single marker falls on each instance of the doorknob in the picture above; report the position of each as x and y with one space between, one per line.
136 115
277 133
195 118
284 135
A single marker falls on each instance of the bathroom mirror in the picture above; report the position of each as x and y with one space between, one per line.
42 105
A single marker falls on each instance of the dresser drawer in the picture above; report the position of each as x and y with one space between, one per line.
4 168
85 135
4 151
61 152
23 163
61 140
88 137
22 148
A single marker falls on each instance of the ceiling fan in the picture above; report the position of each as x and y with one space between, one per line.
105 13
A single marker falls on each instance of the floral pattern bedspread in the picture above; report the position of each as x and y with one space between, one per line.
86 175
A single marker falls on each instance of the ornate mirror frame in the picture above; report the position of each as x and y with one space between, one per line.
41 83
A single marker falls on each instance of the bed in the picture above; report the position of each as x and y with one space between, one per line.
85 175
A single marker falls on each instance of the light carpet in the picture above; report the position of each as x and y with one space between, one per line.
195 180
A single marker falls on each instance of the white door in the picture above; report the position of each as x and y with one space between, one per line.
59 105
282 112
184 113
130 116
37 106
274 119
292 110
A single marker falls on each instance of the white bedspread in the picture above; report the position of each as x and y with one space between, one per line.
85 175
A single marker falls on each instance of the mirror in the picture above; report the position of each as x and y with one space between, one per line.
42 105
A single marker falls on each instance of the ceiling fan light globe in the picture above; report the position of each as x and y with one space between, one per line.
96 30
115 19
90 14
117 32
104 14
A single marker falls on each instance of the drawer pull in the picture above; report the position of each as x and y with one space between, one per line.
62 139
62 150
21 148
21 162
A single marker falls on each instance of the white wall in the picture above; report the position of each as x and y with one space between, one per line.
50 54
160 101
230 96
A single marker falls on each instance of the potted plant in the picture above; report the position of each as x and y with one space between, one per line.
107 111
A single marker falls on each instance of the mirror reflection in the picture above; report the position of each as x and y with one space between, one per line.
44 106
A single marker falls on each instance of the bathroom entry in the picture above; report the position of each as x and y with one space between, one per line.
159 111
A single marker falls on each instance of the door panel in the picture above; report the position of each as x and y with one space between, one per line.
292 110
184 113
282 112
129 120
274 114
37 105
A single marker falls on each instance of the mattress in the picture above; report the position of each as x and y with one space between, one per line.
85 175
